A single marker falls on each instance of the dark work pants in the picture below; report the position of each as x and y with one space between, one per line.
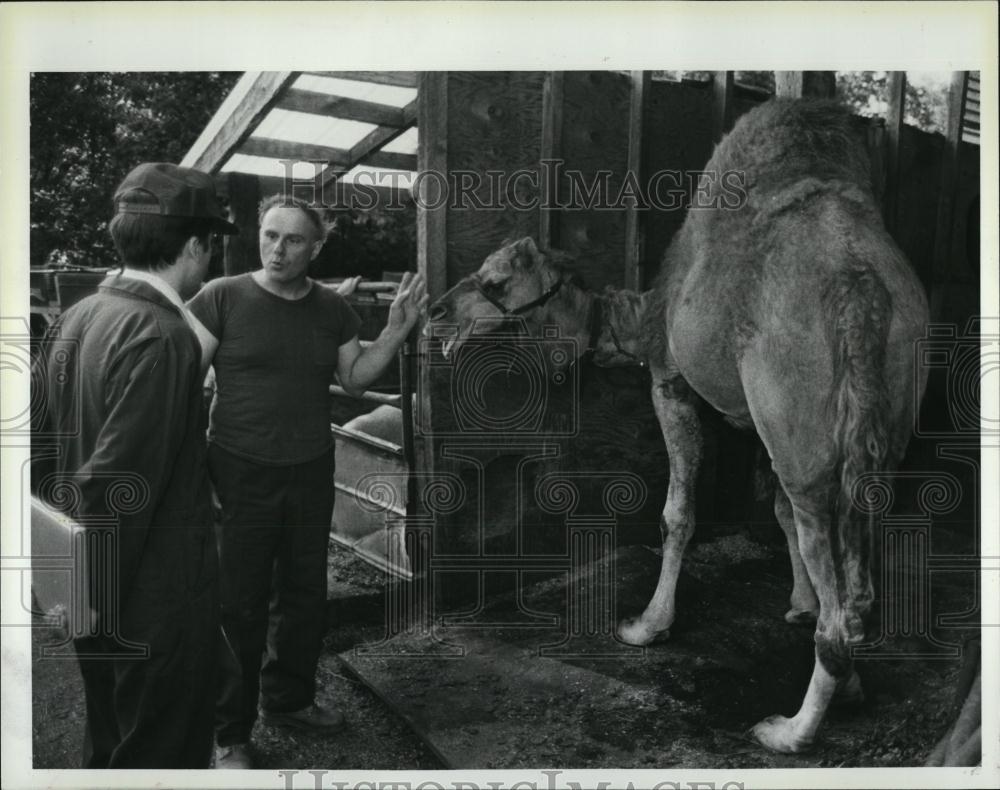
272 561
157 711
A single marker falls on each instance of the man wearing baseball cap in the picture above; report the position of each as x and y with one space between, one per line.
122 397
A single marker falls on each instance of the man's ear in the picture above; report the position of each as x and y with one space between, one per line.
194 247
316 248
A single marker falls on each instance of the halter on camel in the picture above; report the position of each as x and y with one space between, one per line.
594 319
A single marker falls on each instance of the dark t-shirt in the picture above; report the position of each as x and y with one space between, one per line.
273 368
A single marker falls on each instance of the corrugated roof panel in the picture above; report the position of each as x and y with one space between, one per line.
353 89
406 143
301 127
263 166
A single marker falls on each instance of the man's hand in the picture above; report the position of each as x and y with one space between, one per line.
409 305
357 369
348 286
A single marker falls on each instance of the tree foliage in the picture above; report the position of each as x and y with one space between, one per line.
369 243
867 93
87 131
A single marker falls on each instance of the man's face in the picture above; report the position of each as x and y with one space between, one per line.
288 242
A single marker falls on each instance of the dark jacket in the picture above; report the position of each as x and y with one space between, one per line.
119 405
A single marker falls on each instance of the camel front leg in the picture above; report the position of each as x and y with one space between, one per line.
675 406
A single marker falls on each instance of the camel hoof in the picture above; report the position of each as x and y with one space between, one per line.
633 632
801 616
777 733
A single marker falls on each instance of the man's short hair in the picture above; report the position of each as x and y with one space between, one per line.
152 242
290 201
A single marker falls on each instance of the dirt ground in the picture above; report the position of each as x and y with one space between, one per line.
374 739
908 707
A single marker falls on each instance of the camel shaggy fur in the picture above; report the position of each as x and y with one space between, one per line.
794 314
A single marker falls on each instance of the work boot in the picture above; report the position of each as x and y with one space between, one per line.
235 757
312 717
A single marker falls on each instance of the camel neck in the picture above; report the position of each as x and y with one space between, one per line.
619 339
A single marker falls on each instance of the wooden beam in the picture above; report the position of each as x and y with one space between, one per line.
722 103
371 142
241 251
399 79
237 117
339 194
551 150
894 130
384 135
634 280
286 149
316 103
391 160
946 201
335 157
432 241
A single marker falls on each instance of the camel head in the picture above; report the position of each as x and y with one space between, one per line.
518 286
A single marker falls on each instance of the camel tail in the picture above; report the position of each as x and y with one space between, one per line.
862 310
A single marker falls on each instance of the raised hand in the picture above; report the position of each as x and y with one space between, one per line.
348 286
409 305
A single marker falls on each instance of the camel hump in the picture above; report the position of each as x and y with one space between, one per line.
784 141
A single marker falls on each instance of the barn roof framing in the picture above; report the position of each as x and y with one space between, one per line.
352 130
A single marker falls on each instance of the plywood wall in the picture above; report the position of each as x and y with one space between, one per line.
507 121
494 123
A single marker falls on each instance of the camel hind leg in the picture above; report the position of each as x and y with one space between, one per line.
837 562
804 604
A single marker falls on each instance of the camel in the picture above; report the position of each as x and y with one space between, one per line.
793 313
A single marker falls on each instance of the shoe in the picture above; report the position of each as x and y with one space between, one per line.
311 718
235 757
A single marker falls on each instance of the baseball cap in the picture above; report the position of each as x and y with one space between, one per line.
171 191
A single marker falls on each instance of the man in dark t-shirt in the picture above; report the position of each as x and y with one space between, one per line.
276 339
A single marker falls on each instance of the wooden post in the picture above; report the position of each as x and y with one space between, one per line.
819 84
937 282
722 103
800 84
634 280
241 253
551 150
893 129
788 84
432 156
432 247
